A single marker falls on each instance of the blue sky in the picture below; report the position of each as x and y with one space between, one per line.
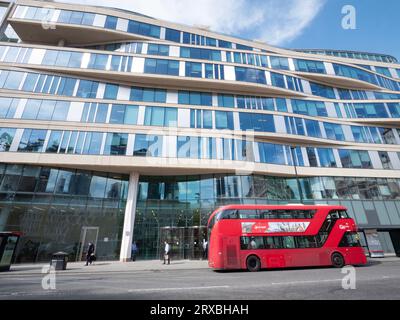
285 23
378 27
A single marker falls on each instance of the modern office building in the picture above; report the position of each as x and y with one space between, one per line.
117 127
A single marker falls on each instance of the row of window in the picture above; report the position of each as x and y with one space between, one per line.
172 67
115 23
350 239
265 61
34 140
266 214
19 178
42 83
356 73
36 109
353 55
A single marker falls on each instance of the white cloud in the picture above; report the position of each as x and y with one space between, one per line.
273 21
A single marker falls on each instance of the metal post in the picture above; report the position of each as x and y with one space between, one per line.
292 148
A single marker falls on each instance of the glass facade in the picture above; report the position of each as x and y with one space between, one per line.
52 206
188 201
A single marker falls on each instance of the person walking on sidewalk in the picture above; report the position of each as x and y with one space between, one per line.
205 249
134 251
166 252
90 253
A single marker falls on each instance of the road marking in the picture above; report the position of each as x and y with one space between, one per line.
306 281
176 289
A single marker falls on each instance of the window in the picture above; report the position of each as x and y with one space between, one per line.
225 100
6 138
158 66
355 159
199 53
87 89
147 145
31 109
278 80
322 91
188 147
250 75
334 131
271 153
122 114
386 163
111 91
98 61
313 129
54 141
93 143
111 22
309 66
326 158
159 116
32 140
193 69
279 63
158 49
61 109
312 158
46 110
148 95
172 35
116 144
144 29
224 120
195 98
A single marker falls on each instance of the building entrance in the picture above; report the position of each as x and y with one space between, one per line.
88 234
185 242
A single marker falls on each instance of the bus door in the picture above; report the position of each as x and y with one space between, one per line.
231 252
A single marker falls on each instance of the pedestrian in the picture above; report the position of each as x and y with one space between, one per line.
167 252
134 251
90 253
205 249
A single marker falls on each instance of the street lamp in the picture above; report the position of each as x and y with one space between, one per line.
292 150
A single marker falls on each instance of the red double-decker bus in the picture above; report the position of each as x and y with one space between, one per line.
254 237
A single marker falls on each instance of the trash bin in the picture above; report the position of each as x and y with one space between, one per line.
59 261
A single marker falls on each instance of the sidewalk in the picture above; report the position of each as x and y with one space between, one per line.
137 266
110 267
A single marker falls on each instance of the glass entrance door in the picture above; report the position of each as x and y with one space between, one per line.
185 242
88 234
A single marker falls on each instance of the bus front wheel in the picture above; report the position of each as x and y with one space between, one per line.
253 263
337 260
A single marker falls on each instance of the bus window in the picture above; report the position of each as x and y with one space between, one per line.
350 239
248 214
338 214
229 214
343 214
273 243
268 214
284 214
288 242
306 242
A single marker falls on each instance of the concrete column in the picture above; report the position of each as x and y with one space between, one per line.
129 220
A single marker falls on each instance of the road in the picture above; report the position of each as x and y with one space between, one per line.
378 280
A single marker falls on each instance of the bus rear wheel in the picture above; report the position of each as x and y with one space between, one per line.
337 260
253 264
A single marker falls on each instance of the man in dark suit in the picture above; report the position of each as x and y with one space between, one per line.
89 253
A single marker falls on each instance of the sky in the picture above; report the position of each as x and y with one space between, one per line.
283 23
